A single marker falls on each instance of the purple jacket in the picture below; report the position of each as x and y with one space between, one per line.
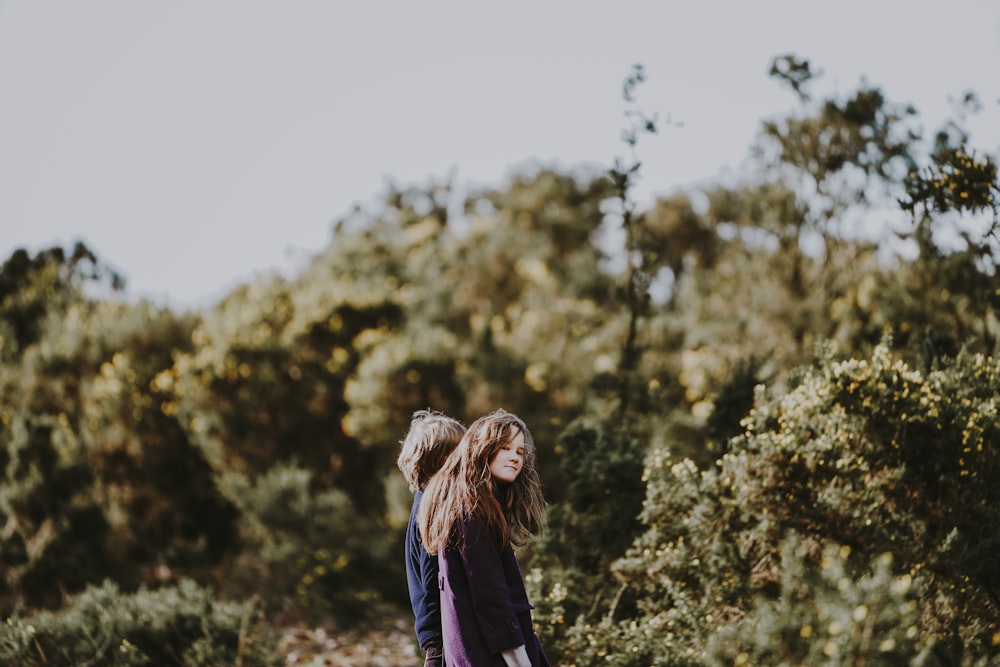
484 606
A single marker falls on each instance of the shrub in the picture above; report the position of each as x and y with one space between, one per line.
828 615
97 477
179 625
867 456
312 551
595 523
55 529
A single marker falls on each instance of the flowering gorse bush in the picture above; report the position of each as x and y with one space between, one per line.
856 519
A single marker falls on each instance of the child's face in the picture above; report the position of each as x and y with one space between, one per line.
507 463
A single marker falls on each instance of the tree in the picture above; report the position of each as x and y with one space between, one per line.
92 456
32 287
956 186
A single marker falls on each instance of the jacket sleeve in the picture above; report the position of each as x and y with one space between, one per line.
491 597
430 594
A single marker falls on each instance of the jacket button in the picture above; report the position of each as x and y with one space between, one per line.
513 626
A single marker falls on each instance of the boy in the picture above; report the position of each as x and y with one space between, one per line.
431 438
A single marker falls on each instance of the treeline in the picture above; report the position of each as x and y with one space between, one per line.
766 438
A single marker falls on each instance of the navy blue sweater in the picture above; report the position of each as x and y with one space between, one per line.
422 581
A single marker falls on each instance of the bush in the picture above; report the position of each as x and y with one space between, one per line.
595 523
828 615
180 625
313 552
868 458
97 477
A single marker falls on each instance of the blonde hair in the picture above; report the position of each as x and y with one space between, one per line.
431 438
465 487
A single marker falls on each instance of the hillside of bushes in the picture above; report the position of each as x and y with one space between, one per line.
766 412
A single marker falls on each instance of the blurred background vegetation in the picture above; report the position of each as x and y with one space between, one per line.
766 412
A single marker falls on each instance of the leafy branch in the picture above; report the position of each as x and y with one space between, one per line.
638 279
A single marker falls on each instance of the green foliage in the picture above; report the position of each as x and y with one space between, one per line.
951 286
672 236
733 402
828 615
957 182
252 445
863 457
92 456
160 488
597 520
864 133
311 554
103 627
640 259
31 287
55 530
794 72
266 341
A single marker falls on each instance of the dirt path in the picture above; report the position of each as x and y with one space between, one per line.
392 647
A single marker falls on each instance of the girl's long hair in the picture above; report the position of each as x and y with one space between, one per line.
464 486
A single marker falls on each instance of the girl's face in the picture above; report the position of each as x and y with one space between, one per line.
508 461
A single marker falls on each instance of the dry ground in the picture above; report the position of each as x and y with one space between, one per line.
392 647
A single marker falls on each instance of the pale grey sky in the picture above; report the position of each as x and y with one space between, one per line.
193 143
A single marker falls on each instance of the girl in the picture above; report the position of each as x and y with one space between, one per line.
485 499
